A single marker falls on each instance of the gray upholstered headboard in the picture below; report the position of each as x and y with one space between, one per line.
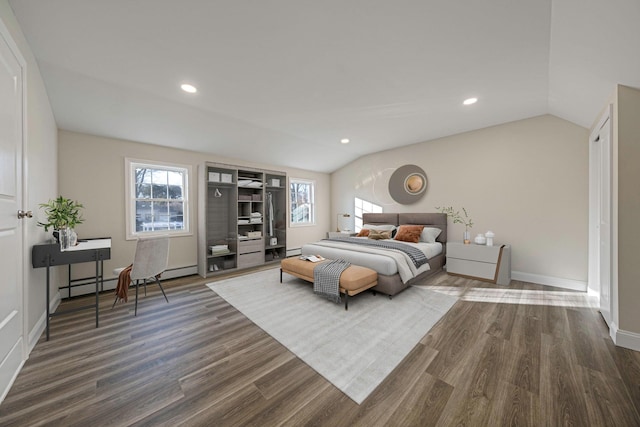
438 220
380 218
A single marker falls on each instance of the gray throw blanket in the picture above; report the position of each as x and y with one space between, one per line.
417 256
326 279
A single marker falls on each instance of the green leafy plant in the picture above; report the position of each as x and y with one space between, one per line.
61 213
456 217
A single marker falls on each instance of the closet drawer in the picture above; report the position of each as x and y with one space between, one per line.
249 246
250 259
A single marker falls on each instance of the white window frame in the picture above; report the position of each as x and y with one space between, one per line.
130 199
360 207
312 202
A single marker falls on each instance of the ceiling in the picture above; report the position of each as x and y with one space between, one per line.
282 81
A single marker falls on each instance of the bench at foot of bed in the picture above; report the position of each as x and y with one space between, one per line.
353 280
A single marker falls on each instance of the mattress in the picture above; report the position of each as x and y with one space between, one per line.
383 261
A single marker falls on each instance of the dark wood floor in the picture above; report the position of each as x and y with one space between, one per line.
519 358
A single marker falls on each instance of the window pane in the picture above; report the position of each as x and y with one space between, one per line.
143 215
175 192
159 176
175 178
143 175
176 221
143 191
159 191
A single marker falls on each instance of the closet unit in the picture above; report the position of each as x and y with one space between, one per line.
242 218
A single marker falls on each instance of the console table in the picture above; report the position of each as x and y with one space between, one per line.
480 262
90 250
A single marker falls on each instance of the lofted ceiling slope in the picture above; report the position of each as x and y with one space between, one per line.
281 82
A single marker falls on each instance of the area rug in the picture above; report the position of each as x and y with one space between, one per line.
354 349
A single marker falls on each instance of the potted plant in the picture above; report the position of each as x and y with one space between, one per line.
457 218
62 214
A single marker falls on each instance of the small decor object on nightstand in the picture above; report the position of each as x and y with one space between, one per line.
480 239
459 219
489 235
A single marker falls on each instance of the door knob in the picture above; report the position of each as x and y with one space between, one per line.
22 214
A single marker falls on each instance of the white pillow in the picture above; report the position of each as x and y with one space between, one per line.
430 234
379 227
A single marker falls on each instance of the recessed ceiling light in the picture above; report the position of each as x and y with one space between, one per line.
344 140
470 101
188 88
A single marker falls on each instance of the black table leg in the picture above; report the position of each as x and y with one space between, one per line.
97 288
47 300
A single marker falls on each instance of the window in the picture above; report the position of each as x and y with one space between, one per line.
362 207
157 198
302 202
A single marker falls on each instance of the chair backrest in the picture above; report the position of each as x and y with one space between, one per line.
151 258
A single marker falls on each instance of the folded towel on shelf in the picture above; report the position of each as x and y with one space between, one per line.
256 214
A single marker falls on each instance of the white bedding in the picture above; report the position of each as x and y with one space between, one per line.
384 261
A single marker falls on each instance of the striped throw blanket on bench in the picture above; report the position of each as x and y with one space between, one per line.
326 279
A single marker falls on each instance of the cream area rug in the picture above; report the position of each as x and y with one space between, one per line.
354 349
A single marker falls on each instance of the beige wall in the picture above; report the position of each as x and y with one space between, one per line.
627 153
527 181
40 170
91 170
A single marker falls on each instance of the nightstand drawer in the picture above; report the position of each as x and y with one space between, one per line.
483 270
472 252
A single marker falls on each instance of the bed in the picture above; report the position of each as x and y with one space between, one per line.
393 276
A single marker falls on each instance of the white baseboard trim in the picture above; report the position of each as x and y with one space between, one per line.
41 324
14 353
626 339
111 283
574 285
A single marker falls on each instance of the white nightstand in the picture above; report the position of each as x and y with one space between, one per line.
488 263
334 234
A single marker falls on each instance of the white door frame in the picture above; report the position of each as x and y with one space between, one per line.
599 200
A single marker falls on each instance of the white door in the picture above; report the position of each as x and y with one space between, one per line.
11 259
604 191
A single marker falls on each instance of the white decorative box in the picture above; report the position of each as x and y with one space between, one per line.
226 177
214 177
275 182
253 234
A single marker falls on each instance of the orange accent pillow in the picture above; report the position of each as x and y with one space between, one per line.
363 233
409 233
